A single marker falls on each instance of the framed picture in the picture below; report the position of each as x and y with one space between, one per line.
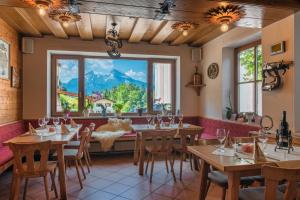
15 77
4 60
278 48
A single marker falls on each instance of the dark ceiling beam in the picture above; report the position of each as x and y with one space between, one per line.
287 4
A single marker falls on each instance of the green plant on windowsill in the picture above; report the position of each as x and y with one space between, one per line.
88 107
228 109
103 108
118 108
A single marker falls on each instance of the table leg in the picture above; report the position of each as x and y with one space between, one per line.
233 185
12 186
204 169
62 173
136 149
142 155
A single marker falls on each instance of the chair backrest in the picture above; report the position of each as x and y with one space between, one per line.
92 126
163 138
91 129
275 174
27 151
208 142
187 137
83 141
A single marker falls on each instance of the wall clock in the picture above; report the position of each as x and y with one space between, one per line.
213 71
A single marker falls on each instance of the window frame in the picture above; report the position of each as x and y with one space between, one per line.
237 52
81 81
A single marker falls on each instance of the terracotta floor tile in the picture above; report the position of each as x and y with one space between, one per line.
168 191
116 188
135 194
100 183
82 193
100 195
131 181
154 196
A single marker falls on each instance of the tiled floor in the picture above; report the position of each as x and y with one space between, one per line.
115 177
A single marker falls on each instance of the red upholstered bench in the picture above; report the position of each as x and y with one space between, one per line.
237 129
8 131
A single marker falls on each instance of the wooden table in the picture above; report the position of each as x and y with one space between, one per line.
235 167
58 140
141 130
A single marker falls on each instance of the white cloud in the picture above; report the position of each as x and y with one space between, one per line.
99 66
136 75
68 70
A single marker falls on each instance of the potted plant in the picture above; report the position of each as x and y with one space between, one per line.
140 108
165 108
103 109
228 109
65 106
118 109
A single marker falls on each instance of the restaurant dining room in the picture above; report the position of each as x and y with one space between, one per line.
149 99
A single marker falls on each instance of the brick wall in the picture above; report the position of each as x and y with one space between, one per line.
10 98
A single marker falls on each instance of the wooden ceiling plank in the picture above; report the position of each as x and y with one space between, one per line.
54 26
140 29
163 33
126 26
113 19
98 25
84 27
22 12
210 33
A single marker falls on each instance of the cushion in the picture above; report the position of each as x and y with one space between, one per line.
5 155
11 130
221 179
114 124
257 194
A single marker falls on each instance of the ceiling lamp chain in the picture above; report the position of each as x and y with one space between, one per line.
225 15
184 27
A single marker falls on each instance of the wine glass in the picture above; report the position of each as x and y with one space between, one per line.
263 138
170 117
159 118
148 117
47 120
221 135
55 121
65 117
180 118
41 122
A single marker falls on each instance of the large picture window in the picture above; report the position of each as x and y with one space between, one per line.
249 78
82 82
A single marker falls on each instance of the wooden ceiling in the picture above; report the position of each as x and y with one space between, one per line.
135 19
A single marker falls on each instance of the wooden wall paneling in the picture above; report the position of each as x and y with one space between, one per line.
98 25
22 12
163 33
55 27
126 26
84 27
140 28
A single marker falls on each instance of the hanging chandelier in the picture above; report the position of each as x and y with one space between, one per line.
225 15
64 16
113 42
184 27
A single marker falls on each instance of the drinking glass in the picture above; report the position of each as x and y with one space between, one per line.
41 122
55 121
47 120
65 117
170 117
148 117
221 135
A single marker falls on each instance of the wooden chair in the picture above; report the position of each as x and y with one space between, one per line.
161 144
76 155
273 175
86 154
30 168
187 138
220 179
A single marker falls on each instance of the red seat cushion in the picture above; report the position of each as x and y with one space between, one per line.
5 155
11 130
208 136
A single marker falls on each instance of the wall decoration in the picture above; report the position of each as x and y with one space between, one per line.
4 59
113 42
272 75
278 48
15 77
213 71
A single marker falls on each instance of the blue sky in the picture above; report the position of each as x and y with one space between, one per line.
136 69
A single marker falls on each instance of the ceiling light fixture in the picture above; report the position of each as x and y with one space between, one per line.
64 16
184 27
225 15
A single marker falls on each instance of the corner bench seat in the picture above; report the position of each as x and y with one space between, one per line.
8 131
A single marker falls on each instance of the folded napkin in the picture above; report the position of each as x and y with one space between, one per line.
258 154
228 142
32 131
73 124
64 129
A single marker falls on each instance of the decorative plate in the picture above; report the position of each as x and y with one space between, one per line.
213 71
